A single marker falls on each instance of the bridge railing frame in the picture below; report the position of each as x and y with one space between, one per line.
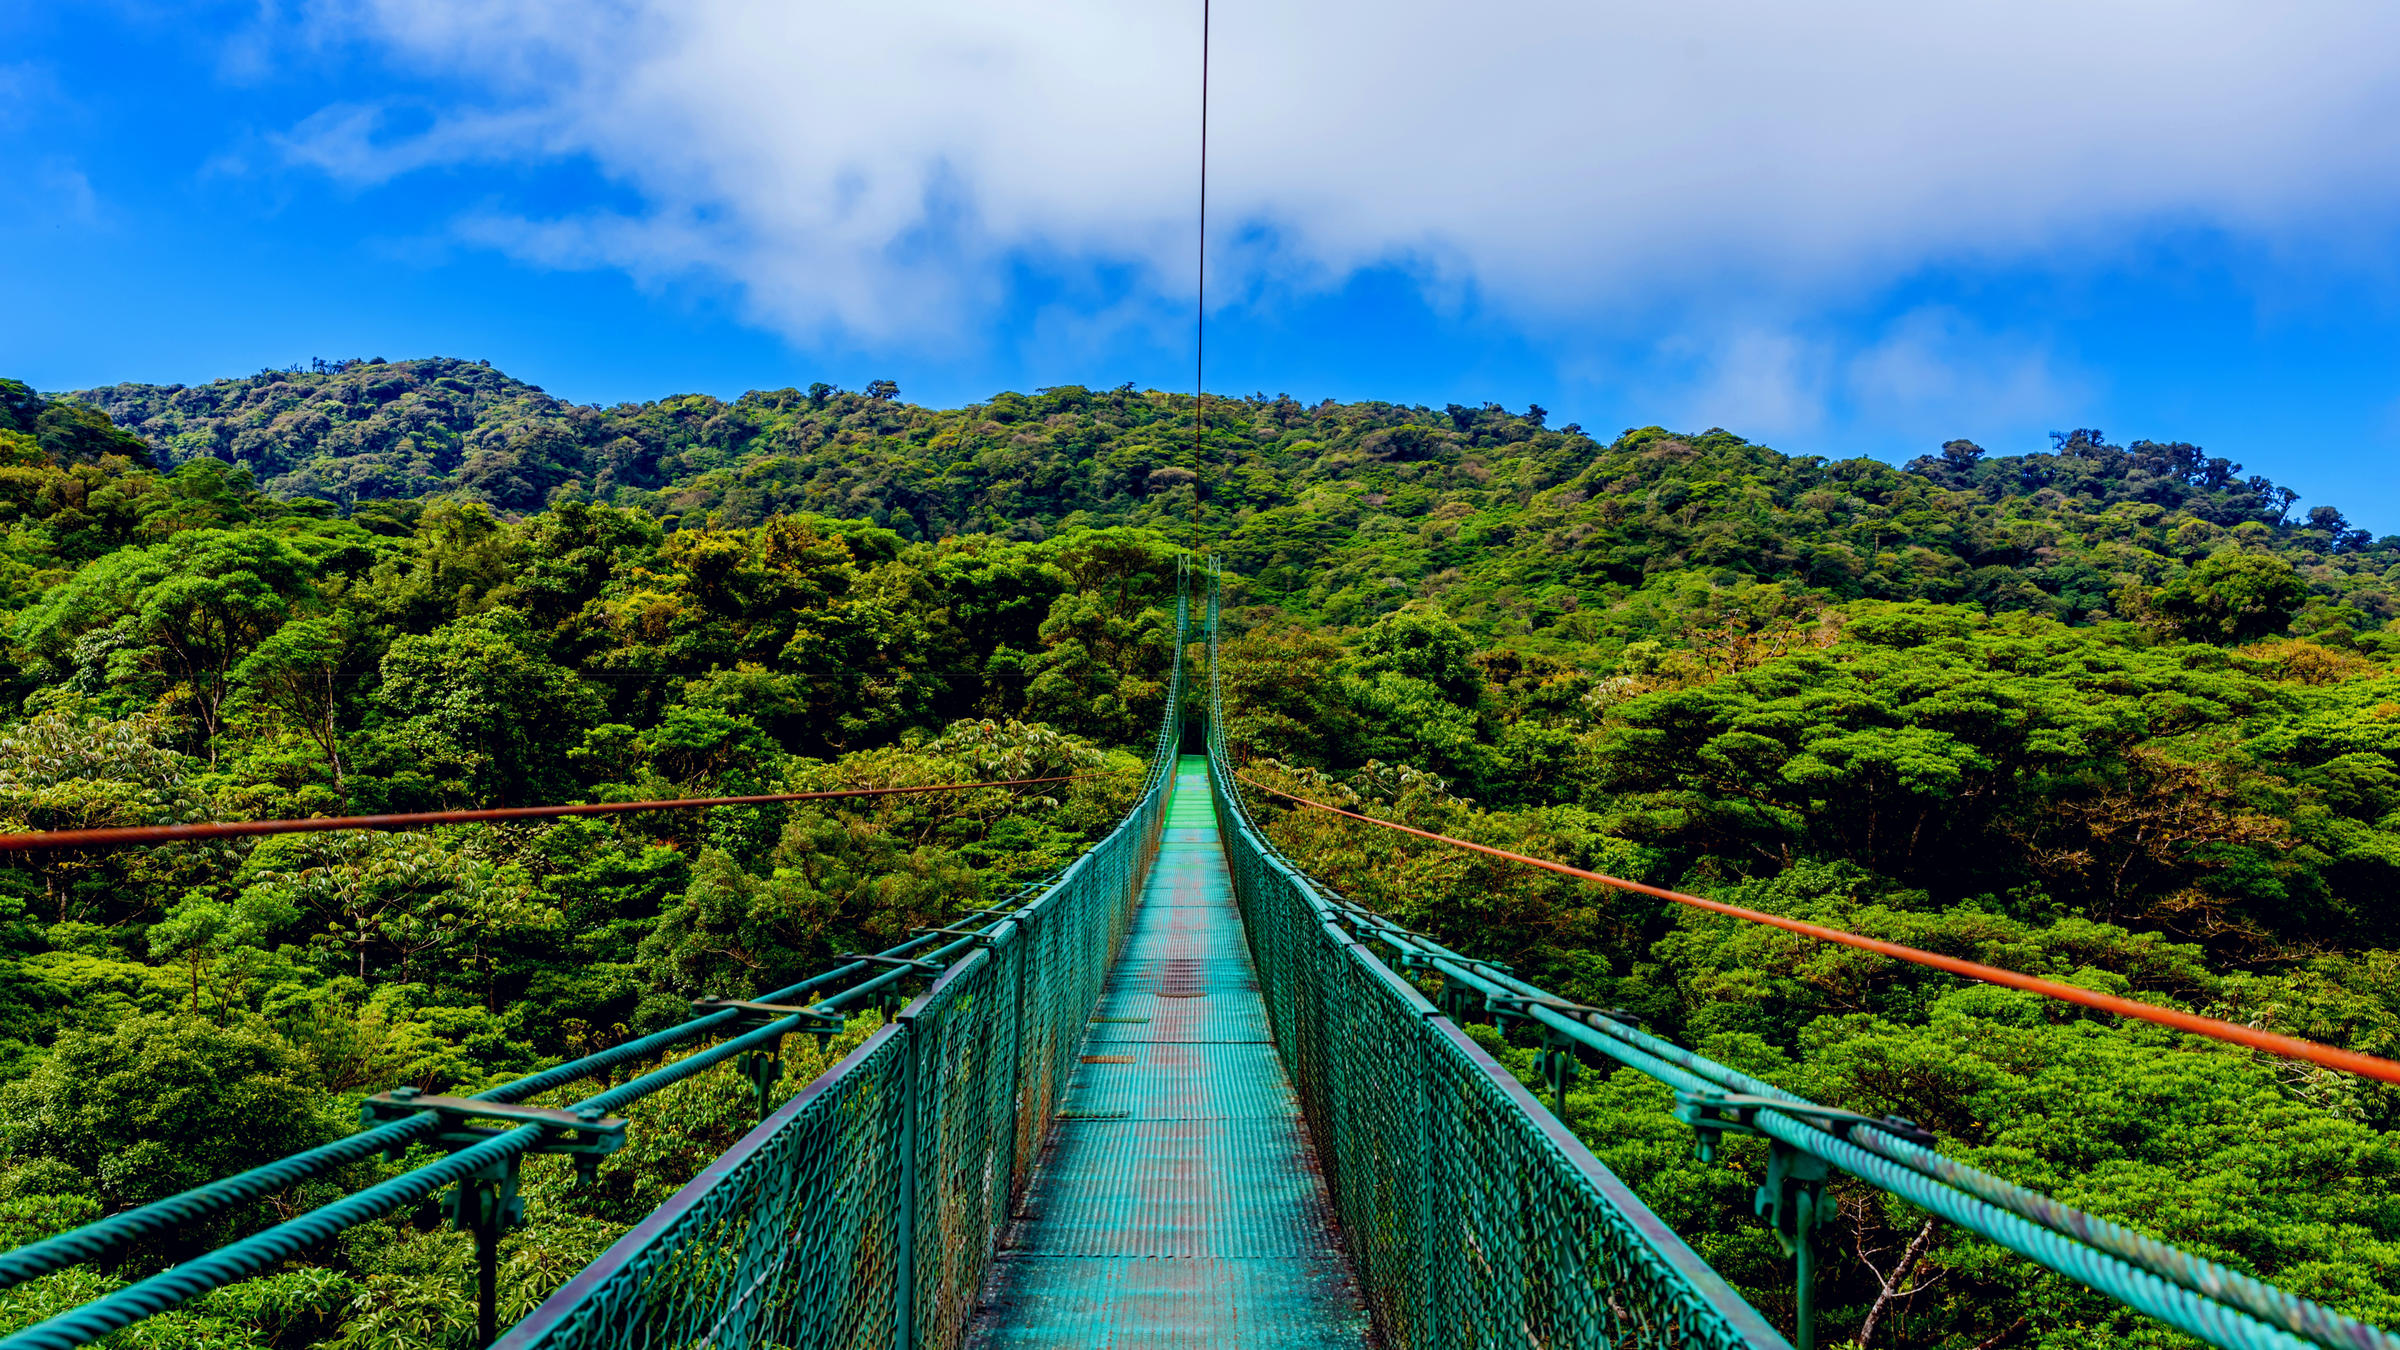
1473 1216
865 1211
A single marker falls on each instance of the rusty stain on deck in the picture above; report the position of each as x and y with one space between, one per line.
1177 1203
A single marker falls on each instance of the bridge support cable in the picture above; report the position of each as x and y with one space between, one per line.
2203 1298
866 1210
126 835
2232 1033
1009 995
1474 1216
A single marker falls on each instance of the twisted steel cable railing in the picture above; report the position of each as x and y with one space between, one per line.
1304 936
124 835
261 1251
1010 994
2175 1019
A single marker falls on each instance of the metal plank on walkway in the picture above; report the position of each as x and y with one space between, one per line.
1177 1202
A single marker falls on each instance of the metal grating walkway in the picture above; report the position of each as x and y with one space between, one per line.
1177 1202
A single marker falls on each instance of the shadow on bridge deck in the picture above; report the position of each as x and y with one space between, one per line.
1177 1202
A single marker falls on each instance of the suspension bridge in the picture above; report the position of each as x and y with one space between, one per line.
1181 1094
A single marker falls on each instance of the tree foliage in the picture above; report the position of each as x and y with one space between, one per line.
2104 713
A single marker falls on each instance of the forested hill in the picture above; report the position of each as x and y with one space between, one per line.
1345 509
2102 714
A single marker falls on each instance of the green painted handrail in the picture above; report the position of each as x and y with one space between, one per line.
1474 1216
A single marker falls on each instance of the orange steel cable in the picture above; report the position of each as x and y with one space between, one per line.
2290 1047
165 834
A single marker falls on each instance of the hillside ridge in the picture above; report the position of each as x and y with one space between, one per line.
1353 508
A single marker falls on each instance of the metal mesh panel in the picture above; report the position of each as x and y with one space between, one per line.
791 1238
963 1036
1474 1218
864 1213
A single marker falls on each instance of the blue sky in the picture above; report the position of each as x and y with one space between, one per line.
1862 229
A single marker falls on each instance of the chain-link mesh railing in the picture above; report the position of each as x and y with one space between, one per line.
793 1237
864 1213
1475 1218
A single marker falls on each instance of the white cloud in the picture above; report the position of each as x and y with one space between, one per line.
876 169
354 143
1934 372
1763 381
1923 377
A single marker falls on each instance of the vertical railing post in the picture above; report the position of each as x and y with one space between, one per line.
904 1290
487 1204
1019 1142
1425 1321
487 1269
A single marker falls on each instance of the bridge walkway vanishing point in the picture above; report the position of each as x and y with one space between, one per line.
1178 1202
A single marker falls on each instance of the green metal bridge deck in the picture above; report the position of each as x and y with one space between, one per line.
1178 1202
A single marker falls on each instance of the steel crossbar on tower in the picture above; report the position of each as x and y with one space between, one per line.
1533 1241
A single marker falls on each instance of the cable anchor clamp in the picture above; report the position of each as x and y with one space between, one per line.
1716 1114
761 1014
589 1133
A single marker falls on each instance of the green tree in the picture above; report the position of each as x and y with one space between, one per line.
67 770
1100 670
201 928
403 897
160 1104
298 673
1427 647
2232 597
479 711
188 611
839 883
456 555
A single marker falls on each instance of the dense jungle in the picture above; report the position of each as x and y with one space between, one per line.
2109 713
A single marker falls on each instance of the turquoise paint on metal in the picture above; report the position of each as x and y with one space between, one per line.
1177 1202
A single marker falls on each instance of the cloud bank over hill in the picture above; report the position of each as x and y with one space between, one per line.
887 171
